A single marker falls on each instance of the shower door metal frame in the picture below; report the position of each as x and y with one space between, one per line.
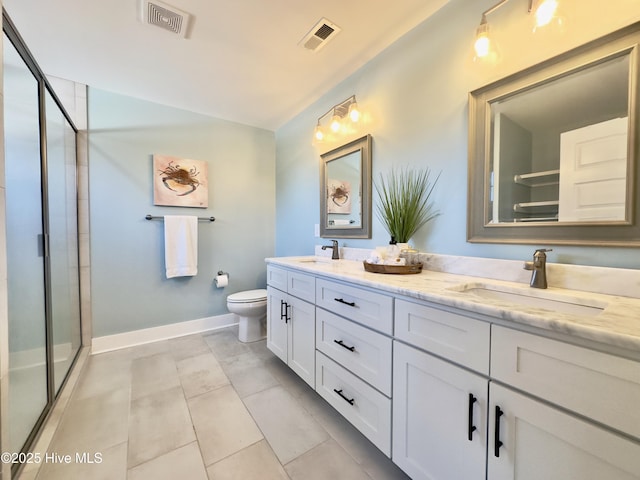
45 87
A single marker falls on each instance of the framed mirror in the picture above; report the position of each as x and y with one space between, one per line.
345 190
554 150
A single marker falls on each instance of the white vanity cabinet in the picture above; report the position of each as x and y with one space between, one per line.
439 408
453 394
291 320
530 439
353 358
541 408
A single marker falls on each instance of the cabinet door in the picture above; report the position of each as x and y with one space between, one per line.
277 323
597 385
538 441
439 417
302 339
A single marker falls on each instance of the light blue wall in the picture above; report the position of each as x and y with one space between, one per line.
415 95
129 287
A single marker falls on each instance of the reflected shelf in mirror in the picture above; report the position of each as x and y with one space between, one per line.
553 149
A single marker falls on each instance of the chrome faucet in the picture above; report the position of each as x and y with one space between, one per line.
335 254
539 267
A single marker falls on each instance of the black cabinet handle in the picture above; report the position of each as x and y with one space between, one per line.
284 311
350 401
497 443
288 312
342 300
471 428
351 349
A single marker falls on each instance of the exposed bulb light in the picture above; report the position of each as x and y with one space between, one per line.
354 113
482 46
485 47
318 133
546 12
335 123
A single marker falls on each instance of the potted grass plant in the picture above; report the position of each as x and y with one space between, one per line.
405 203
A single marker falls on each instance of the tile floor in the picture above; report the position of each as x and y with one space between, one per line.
205 407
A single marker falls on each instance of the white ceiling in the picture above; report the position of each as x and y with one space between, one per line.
240 62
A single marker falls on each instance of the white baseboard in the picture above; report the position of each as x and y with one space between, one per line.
108 343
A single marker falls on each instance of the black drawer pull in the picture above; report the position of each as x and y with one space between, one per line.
497 443
471 428
283 310
342 300
350 401
339 342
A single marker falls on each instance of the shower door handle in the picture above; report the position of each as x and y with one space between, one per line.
43 245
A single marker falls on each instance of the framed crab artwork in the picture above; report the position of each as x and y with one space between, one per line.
339 196
180 182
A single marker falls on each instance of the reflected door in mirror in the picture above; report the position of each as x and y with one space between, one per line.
559 148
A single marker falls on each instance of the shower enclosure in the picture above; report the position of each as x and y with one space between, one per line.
42 241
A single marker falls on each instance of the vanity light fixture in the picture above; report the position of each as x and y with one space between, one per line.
545 12
342 115
318 133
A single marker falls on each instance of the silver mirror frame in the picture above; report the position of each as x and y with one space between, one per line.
363 145
625 233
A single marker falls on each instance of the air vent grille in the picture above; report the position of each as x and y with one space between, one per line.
324 31
154 12
164 18
319 35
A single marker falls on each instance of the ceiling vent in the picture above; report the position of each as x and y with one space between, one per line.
319 35
154 12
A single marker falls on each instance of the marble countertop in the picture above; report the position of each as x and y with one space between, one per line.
616 321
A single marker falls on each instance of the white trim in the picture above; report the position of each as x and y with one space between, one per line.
164 332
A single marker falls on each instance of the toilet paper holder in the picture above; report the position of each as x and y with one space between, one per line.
221 280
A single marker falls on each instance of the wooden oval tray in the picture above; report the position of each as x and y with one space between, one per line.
393 269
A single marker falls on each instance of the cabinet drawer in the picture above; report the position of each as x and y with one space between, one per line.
600 386
358 349
458 338
367 409
277 278
368 308
298 284
302 286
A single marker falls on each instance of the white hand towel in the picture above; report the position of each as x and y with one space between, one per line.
181 245
339 221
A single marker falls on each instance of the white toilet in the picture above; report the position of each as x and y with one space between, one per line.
251 308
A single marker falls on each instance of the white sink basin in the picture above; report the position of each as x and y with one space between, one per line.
531 297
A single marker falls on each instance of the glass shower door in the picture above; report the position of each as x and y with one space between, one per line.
63 241
25 250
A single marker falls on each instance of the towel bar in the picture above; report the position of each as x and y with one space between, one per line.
152 217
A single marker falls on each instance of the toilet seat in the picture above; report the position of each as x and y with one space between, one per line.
248 296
